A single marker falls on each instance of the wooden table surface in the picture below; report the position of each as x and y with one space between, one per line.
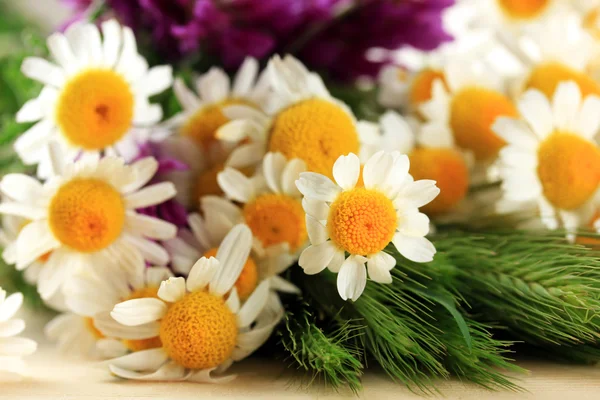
52 376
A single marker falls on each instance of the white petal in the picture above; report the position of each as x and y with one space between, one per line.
34 241
150 195
172 289
245 77
515 132
170 371
589 117
346 170
273 165
317 208
59 47
17 346
202 273
417 249
30 112
111 43
139 311
315 258
156 81
535 108
413 223
111 328
10 306
144 170
416 194
11 327
204 376
232 255
236 185
150 227
317 232
318 187
336 262
149 250
352 278
43 71
565 105
233 301
187 98
22 188
377 169
254 305
379 266
291 173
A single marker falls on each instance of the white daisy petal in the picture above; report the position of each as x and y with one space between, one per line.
233 301
232 255
315 258
22 188
565 105
352 278
186 97
416 194
588 123
204 376
139 311
202 273
150 227
291 173
111 32
156 81
150 195
536 110
317 208
413 223
317 187
273 165
34 241
346 170
379 266
236 185
336 262
317 232
253 306
30 112
171 371
145 360
17 346
171 290
245 77
111 328
10 306
376 169
417 249
43 71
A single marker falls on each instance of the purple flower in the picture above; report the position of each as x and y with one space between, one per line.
171 211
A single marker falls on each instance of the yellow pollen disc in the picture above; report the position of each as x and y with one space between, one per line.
89 324
199 331
143 344
86 215
546 77
472 113
362 221
248 279
420 89
275 219
448 168
523 9
203 125
569 169
207 184
95 109
316 131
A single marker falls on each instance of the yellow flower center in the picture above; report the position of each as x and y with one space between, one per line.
316 131
248 279
546 77
420 88
591 22
569 169
206 183
362 221
95 109
143 344
472 113
523 9
89 324
275 219
199 331
448 168
86 215
203 125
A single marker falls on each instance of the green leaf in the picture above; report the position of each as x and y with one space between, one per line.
447 301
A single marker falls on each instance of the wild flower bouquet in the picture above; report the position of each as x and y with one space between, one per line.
408 183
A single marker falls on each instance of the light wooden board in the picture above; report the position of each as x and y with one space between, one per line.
52 376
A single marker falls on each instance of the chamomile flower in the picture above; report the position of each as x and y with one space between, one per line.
432 155
301 120
560 50
199 320
346 219
551 160
85 218
95 98
12 347
403 89
466 107
90 328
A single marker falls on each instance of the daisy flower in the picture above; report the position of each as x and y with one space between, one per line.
301 120
350 226
466 106
12 348
85 217
95 98
552 160
89 329
199 320
432 154
560 50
